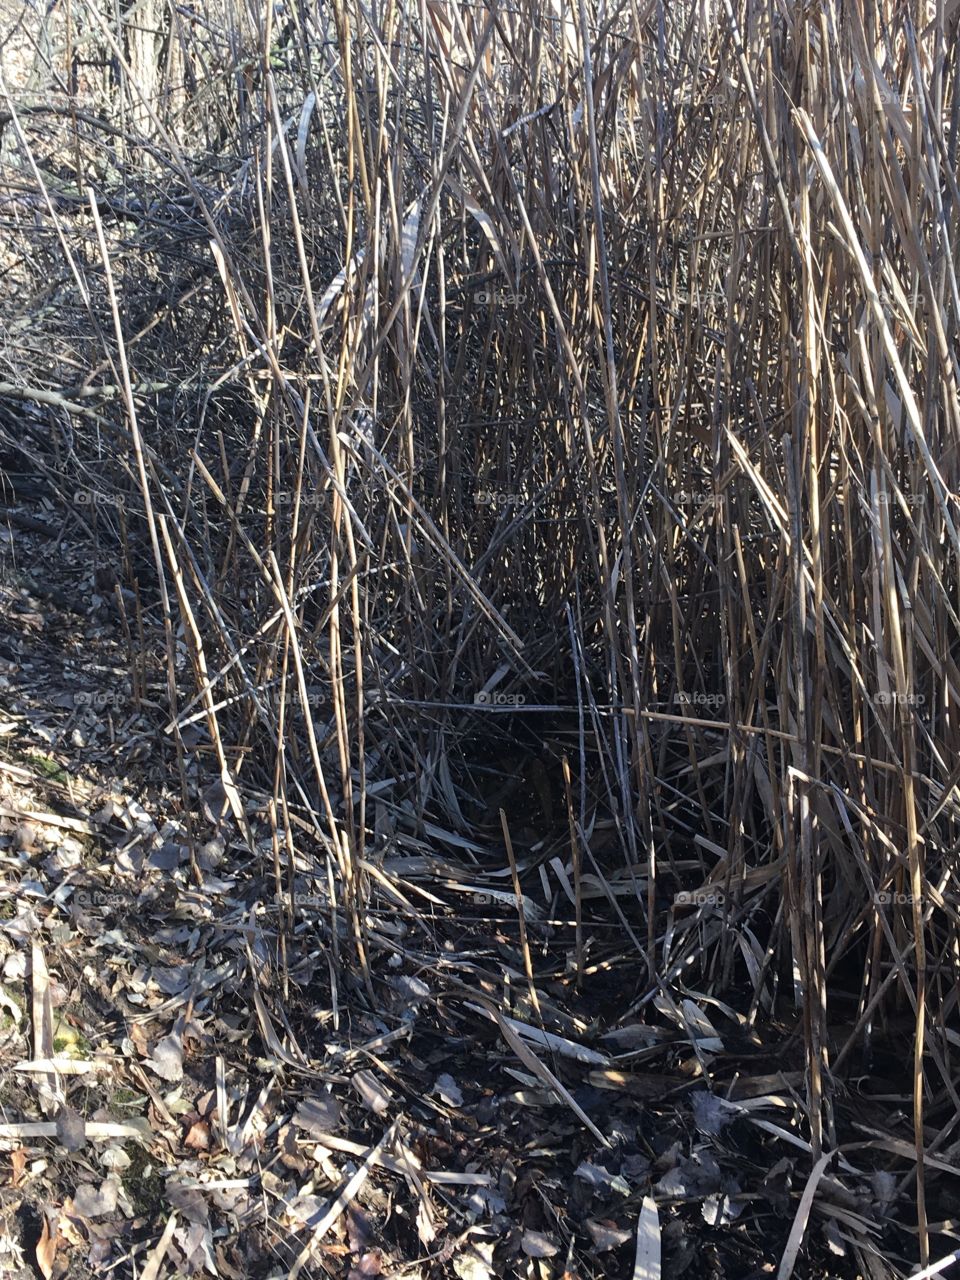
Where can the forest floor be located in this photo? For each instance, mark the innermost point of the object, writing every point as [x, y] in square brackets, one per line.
[189, 1084]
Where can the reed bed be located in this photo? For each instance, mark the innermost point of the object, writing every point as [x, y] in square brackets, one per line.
[555, 382]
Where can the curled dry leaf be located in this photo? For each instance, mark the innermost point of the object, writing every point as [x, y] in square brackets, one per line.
[197, 1137]
[607, 1235]
[372, 1093]
[47, 1248]
[596, 1176]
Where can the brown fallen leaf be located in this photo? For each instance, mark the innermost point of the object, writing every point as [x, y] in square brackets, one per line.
[197, 1137]
[138, 1037]
[360, 1229]
[68, 1228]
[47, 1248]
[101, 1247]
[225, 1266]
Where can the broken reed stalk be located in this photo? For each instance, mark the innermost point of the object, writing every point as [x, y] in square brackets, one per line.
[577, 870]
[491, 322]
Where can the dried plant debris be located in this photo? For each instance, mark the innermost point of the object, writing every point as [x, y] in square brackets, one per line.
[479, 649]
[217, 1106]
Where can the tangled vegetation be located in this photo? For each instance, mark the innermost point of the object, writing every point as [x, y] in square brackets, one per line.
[530, 432]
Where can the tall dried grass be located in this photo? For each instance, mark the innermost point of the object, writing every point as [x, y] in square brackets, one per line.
[604, 358]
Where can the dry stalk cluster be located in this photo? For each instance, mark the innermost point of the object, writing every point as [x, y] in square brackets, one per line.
[478, 384]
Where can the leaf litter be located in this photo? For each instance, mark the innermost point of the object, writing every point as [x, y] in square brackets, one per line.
[184, 1094]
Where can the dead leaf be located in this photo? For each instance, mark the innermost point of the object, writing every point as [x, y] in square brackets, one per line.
[720, 1211]
[709, 1113]
[412, 989]
[425, 1228]
[91, 1202]
[215, 802]
[138, 1038]
[372, 1093]
[101, 1247]
[596, 1176]
[448, 1090]
[68, 1230]
[306, 1210]
[167, 1058]
[71, 1130]
[196, 1244]
[318, 1115]
[607, 1235]
[536, 1245]
[168, 857]
[197, 1137]
[646, 1264]
[476, 1261]
[47, 1248]
[188, 1201]
[225, 1267]
[696, 1175]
